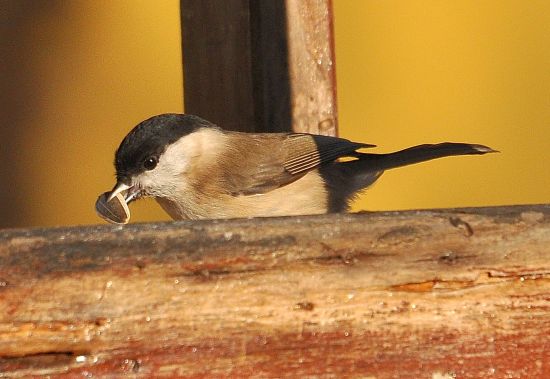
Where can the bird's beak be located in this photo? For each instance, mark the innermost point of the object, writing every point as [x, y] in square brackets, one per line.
[119, 188]
[129, 192]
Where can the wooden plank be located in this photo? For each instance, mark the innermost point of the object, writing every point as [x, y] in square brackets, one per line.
[263, 66]
[417, 294]
[312, 66]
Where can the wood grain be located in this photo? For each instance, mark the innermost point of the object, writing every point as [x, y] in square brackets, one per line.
[263, 66]
[312, 66]
[420, 294]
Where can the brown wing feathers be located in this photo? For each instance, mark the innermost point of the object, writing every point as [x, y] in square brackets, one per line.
[276, 160]
[305, 151]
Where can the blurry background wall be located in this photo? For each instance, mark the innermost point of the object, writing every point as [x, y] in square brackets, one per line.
[75, 76]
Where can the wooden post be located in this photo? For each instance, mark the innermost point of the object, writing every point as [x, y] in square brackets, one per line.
[419, 294]
[263, 66]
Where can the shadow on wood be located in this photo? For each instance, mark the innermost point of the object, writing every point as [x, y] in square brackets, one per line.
[414, 294]
[260, 66]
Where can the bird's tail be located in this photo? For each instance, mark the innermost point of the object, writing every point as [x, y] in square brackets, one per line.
[416, 154]
[346, 179]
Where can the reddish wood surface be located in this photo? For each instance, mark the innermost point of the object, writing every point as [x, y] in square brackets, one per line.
[418, 294]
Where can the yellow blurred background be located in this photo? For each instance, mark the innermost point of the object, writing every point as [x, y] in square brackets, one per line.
[77, 75]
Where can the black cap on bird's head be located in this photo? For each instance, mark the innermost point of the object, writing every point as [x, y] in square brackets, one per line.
[149, 139]
[140, 150]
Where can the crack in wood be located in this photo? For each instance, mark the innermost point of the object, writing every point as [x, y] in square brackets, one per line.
[211, 274]
[304, 306]
[403, 234]
[448, 258]
[77, 333]
[40, 354]
[457, 222]
[483, 279]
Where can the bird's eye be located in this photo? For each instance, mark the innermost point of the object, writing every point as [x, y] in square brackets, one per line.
[150, 163]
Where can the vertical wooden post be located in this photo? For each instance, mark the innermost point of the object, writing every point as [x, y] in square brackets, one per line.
[311, 66]
[260, 65]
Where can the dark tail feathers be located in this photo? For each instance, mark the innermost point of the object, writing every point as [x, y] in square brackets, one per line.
[417, 154]
[345, 179]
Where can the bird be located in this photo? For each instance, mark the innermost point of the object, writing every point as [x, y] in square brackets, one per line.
[197, 170]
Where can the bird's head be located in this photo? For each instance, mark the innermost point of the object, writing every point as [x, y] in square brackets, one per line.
[152, 160]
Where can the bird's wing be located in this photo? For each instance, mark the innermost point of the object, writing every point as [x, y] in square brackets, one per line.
[269, 161]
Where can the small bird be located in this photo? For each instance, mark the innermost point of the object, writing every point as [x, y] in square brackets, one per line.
[196, 170]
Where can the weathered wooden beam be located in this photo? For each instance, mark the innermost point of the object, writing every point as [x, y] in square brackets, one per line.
[262, 65]
[455, 293]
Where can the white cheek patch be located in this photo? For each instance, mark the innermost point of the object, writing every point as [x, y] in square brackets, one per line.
[166, 177]
[175, 160]
[169, 177]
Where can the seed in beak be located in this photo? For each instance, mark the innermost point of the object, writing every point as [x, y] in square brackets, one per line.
[114, 210]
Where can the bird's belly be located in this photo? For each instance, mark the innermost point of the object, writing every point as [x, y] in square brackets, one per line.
[305, 196]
